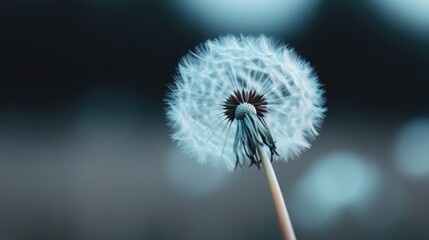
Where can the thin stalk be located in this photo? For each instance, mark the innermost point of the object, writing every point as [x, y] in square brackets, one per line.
[279, 203]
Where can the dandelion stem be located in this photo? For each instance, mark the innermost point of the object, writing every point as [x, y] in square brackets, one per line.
[279, 203]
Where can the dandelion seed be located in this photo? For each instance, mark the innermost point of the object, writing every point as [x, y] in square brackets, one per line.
[251, 86]
[226, 78]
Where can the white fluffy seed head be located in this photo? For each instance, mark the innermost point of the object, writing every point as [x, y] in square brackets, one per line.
[244, 108]
[210, 74]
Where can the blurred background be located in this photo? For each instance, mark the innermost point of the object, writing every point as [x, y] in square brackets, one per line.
[85, 151]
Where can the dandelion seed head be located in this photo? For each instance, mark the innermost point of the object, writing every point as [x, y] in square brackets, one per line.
[253, 87]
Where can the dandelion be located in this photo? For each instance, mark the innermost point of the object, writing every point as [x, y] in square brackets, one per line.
[255, 88]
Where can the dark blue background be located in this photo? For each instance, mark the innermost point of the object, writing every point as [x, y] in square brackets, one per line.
[84, 146]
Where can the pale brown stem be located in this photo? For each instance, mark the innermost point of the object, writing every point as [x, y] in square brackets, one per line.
[279, 203]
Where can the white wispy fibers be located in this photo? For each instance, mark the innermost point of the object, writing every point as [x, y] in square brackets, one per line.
[335, 182]
[259, 90]
[213, 85]
[412, 149]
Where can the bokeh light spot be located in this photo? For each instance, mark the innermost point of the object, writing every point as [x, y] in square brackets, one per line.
[252, 15]
[408, 14]
[412, 149]
[335, 182]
